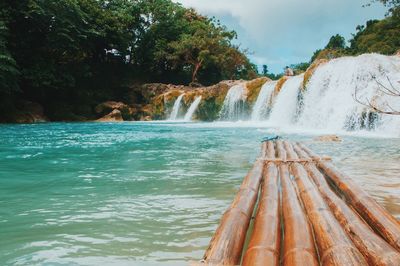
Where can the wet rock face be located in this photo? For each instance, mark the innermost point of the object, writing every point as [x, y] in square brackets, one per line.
[151, 90]
[154, 101]
[114, 116]
[109, 106]
[253, 88]
[209, 107]
[310, 71]
[212, 98]
[279, 85]
[29, 112]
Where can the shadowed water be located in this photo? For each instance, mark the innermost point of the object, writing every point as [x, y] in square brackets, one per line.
[143, 193]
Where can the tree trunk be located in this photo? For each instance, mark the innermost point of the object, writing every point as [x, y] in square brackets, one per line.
[197, 66]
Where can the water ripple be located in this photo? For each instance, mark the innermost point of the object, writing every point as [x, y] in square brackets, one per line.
[142, 193]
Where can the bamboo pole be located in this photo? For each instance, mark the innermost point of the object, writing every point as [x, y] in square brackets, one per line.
[264, 148]
[227, 243]
[298, 245]
[270, 150]
[375, 250]
[264, 243]
[334, 247]
[375, 215]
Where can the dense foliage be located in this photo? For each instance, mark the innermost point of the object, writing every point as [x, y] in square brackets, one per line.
[76, 51]
[377, 36]
[266, 73]
[8, 69]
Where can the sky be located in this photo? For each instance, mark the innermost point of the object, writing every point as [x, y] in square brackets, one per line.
[283, 32]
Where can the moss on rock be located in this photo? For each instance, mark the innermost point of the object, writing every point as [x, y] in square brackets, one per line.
[310, 71]
[212, 99]
[253, 88]
[163, 103]
[279, 85]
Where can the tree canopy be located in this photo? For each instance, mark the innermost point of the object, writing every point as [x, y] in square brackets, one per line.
[376, 36]
[336, 42]
[8, 68]
[80, 49]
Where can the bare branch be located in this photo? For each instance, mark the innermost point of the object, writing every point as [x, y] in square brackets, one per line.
[375, 108]
[391, 108]
[391, 85]
[389, 91]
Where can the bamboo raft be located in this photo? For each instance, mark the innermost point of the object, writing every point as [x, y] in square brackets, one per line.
[307, 213]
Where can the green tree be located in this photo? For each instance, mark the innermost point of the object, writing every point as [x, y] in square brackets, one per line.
[265, 70]
[300, 67]
[234, 64]
[9, 73]
[378, 36]
[206, 44]
[336, 42]
[79, 52]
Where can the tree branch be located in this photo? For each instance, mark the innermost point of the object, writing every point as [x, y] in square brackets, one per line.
[375, 108]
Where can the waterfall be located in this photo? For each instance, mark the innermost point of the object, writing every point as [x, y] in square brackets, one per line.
[234, 103]
[192, 109]
[329, 100]
[260, 108]
[176, 107]
[285, 104]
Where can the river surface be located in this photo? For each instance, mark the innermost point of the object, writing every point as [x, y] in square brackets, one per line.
[145, 193]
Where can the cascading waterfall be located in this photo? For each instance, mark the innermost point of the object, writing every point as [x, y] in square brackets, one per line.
[234, 104]
[261, 107]
[329, 101]
[193, 107]
[285, 104]
[176, 107]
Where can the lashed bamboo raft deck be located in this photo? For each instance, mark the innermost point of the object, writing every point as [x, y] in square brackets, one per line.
[308, 213]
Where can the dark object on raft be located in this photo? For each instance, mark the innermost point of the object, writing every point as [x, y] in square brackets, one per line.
[308, 213]
[270, 138]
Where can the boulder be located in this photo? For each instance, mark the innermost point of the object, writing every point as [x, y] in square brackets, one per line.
[195, 85]
[29, 112]
[328, 138]
[114, 116]
[146, 118]
[109, 106]
[151, 90]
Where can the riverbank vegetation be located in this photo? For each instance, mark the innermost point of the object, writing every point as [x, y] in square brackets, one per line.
[62, 58]
[70, 54]
[376, 36]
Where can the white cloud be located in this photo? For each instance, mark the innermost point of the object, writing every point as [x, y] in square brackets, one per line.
[287, 30]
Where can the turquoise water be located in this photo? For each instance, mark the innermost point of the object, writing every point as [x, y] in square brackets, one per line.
[143, 193]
